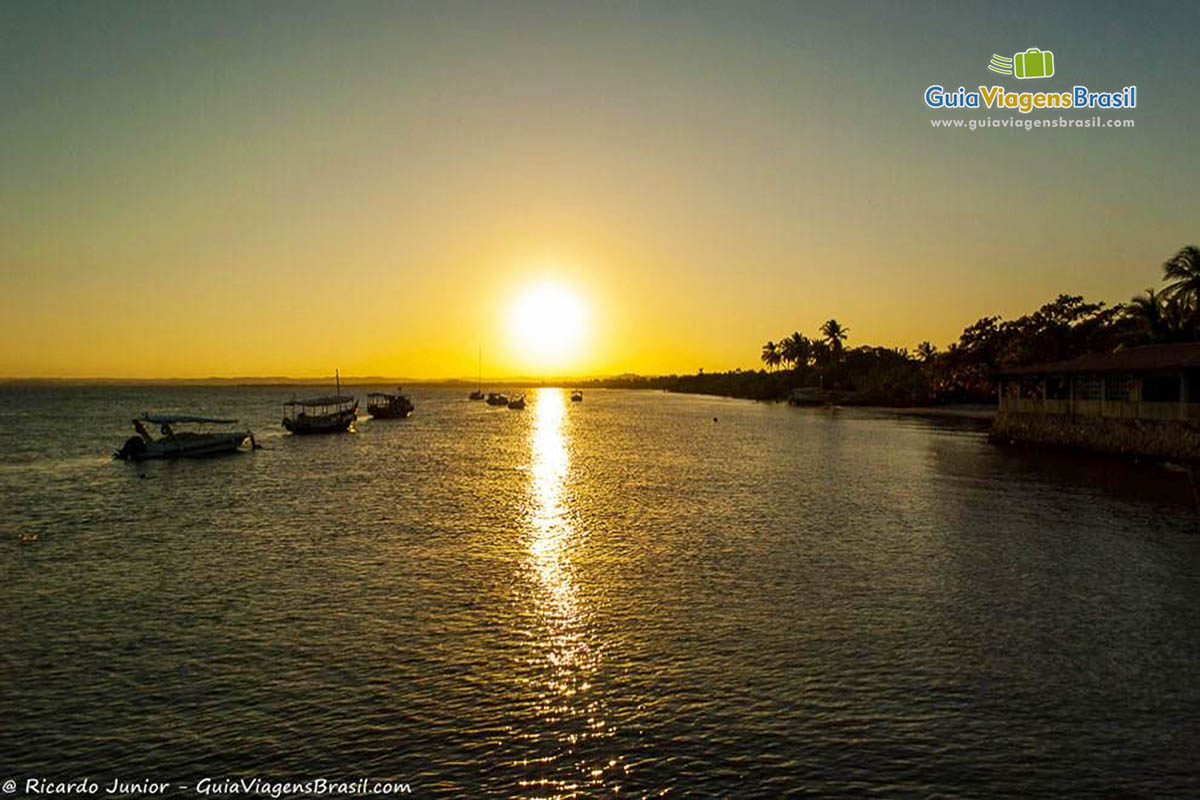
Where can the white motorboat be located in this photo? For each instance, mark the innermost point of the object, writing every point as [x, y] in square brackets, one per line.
[187, 443]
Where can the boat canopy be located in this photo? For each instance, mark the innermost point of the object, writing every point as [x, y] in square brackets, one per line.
[174, 419]
[330, 400]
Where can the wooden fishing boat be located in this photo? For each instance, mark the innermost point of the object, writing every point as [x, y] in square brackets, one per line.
[186, 443]
[517, 402]
[382, 405]
[577, 396]
[333, 413]
[497, 399]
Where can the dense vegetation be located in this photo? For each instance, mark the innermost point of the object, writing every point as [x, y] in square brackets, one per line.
[824, 366]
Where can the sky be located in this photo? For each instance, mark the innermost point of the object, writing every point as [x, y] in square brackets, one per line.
[238, 189]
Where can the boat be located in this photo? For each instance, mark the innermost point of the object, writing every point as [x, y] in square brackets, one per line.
[329, 414]
[577, 396]
[517, 402]
[382, 405]
[478, 393]
[497, 399]
[186, 443]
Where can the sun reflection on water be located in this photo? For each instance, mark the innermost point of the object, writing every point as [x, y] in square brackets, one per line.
[570, 718]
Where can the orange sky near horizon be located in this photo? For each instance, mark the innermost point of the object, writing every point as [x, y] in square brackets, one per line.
[282, 190]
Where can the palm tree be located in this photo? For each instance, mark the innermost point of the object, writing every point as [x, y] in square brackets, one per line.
[1147, 311]
[797, 350]
[771, 355]
[834, 335]
[1179, 321]
[1183, 270]
[822, 355]
[926, 351]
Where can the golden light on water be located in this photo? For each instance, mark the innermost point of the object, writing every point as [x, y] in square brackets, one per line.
[548, 324]
[554, 537]
[566, 650]
[552, 527]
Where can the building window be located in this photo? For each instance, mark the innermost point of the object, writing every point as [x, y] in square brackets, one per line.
[1087, 387]
[1160, 389]
[1117, 387]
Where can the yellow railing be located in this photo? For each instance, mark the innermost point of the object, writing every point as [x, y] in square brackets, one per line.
[1120, 409]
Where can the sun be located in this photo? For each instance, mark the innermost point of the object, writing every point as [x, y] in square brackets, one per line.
[548, 323]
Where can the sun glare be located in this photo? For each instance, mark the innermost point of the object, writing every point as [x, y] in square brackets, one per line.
[548, 323]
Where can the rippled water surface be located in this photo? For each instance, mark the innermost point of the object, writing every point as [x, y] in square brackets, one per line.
[642, 594]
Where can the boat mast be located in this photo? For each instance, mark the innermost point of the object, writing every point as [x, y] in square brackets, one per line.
[479, 386]
[338, 380]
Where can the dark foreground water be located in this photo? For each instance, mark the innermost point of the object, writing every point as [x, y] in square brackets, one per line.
[619, 597]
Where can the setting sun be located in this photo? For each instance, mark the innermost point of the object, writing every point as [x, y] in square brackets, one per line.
[548, 322]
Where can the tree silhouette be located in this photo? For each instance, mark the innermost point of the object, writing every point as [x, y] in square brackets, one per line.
[1158, 317]
[1146, 312]
[797, 350]
[834, 335]
[1182, 271]
[771, 355]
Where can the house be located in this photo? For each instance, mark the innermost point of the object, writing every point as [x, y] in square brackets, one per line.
[1142, 401]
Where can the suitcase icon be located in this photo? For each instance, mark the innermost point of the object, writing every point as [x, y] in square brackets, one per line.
[1034, 63]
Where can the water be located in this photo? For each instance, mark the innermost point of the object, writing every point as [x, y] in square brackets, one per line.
[619, 597]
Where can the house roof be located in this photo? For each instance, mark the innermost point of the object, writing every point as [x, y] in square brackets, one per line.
[1148, 358]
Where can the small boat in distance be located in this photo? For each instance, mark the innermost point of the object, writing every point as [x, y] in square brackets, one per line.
[382, 405]
[497, 399]
[180, 444]
[329, 414]
[517, 402]
[478, 393]
[576, 395]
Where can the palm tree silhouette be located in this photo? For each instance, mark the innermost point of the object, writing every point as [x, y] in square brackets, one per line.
[834, 335]
[1183, 272]
[1147, 312]
[797, 350]
[926, 351]
[771, 355]
[1160, 317]
[822, 354]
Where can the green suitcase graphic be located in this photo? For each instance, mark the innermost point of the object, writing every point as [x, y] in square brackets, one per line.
[1034, 63]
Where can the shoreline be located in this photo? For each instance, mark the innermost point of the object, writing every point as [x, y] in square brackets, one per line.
[978, 411]
[964, 411]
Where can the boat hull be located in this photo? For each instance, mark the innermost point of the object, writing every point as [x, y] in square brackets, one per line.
[325, 423]
[183, 446]
[388, 413]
